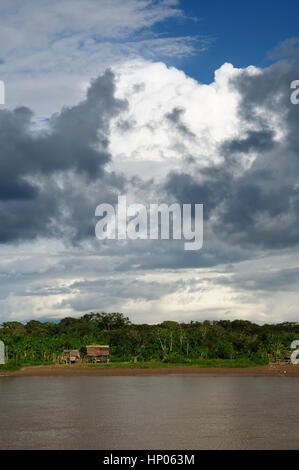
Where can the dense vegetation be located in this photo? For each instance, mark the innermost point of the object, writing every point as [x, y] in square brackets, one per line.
[42, 342]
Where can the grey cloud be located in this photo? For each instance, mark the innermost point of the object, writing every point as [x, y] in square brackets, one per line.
[77, 138]
[136, 289]
[287, 49]
[282, 279]
[255, 141]
[125, 125]
[175, 117]
[138, 87]
[255, 206]
[51, 182]
[103, 293]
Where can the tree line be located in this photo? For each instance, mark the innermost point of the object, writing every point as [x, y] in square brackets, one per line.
[168, 341]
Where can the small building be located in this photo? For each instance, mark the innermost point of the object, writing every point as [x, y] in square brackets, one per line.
[71, 356]
[99, 353]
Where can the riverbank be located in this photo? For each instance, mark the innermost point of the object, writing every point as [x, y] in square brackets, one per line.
[279, 370]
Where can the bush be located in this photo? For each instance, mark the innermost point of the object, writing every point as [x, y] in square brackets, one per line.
[224, 350]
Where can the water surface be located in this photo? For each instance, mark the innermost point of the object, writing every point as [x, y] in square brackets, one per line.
[155, 412]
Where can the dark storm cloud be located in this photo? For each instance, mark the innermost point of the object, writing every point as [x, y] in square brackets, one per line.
[190, 190]
[50, 181]
[257, 206]
[19, 189]
[255, 141]
[63, 208]
[77, 138]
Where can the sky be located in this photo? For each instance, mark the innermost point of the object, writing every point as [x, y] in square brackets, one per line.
[165, 102]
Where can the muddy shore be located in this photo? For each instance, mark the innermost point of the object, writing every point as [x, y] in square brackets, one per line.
[287, 370]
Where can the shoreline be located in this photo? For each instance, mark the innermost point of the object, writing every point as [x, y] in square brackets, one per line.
[272, 370]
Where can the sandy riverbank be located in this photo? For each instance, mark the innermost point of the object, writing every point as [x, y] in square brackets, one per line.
[287, 370]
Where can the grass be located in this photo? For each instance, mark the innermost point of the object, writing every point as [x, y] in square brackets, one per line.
[9, 367]
[204, 363]
[12, 366]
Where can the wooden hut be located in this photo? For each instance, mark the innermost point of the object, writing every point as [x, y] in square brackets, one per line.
[71, 356]
[99, 353]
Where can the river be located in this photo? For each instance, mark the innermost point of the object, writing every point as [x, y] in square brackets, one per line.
[155, 412]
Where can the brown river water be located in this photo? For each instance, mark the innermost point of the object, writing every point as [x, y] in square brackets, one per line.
[155, 412]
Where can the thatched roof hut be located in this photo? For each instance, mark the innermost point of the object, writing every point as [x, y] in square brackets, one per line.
[97, 351]
[71, 355]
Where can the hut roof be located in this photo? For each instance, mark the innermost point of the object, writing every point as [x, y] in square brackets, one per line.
[72, 352]
[97, 350]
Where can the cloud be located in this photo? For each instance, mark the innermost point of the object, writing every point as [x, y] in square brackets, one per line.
[169, 103]
[251, 196]
[255, 141]
[175, 117]
[51, 49]
[103, 18]
[48, 178]
[155, 134]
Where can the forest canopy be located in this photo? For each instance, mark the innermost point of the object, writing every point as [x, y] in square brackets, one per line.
[169, 341]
